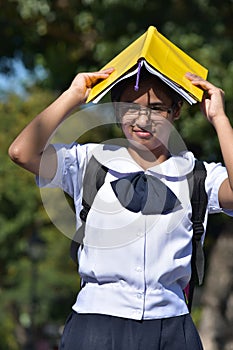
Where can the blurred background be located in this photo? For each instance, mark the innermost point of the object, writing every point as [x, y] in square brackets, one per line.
[44, 43]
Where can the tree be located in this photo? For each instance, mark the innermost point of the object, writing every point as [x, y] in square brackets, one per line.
[21, 213]
[86, 34]
[217, 321]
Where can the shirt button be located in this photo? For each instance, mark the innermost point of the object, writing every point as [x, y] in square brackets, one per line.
[138, 269]
[139, 295]
[140, 234]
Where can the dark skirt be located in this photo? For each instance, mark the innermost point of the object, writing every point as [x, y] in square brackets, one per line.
[103, 332]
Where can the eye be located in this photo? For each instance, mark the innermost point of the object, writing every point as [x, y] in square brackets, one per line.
[158, 108]
[133, 110]
[130, 108]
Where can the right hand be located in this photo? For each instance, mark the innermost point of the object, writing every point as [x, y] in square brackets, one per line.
[84, 82]
[27, 149]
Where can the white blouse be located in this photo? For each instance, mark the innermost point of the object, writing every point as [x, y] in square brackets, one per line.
[133, 265]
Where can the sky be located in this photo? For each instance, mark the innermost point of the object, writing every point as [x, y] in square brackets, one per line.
[19, 79]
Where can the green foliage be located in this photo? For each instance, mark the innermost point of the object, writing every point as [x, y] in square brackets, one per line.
[72, 36]
[20, 210]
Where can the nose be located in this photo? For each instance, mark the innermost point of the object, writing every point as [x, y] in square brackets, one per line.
[143, 118]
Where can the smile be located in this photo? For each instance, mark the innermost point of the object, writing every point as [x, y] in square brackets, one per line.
[142, 133]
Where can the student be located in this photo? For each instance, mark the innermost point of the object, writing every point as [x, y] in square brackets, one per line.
[132, 283]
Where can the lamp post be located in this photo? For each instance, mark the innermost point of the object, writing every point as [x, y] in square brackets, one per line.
[35, 252]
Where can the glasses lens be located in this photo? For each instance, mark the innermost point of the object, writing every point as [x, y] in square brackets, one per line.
[132, 110]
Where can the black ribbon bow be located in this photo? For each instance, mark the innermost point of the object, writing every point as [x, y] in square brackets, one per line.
[141, 192]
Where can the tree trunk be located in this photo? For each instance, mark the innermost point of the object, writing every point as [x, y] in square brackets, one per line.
[216, 326]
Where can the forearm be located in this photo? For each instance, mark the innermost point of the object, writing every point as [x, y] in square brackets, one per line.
[28, 147]
[225, 135]
[213, 108]
[40, 130]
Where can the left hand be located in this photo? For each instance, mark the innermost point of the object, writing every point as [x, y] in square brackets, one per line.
[212, 104]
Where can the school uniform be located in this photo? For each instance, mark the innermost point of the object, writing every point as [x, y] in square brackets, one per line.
[134, 263]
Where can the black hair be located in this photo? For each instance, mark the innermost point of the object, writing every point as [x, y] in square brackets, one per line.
[119, 88]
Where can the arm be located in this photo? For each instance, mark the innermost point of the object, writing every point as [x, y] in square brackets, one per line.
[213, 108]
[31, 144]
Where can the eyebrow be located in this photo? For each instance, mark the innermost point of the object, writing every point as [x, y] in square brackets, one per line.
[159, 104]
[151, 105]
[156, 104]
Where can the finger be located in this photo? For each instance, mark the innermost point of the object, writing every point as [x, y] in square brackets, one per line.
[202, 83]
[107, 70]
[103, 74]
[196, 79]
[192, 76]
[95, 77]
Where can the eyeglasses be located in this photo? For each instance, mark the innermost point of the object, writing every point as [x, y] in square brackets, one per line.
[131, 111]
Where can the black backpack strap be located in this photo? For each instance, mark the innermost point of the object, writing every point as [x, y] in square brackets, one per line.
[93, 179]
[199, 201]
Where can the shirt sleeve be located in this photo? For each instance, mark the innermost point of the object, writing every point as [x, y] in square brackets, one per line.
[71, 163]
[216, 174]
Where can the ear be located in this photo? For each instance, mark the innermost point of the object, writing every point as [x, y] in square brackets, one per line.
[177, 110]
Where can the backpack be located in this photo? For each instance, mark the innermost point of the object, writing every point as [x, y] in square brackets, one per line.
[94, 178]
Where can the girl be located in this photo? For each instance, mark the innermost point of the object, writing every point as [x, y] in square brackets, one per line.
[134, 261]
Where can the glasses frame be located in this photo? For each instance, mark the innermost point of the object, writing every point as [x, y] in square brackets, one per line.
[137, 110]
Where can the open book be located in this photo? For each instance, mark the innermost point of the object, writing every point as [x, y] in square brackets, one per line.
[161, 58]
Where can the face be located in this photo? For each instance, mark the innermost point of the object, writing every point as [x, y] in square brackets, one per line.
[147, 115]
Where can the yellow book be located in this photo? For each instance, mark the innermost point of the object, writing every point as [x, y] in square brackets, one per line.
[161, 58]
